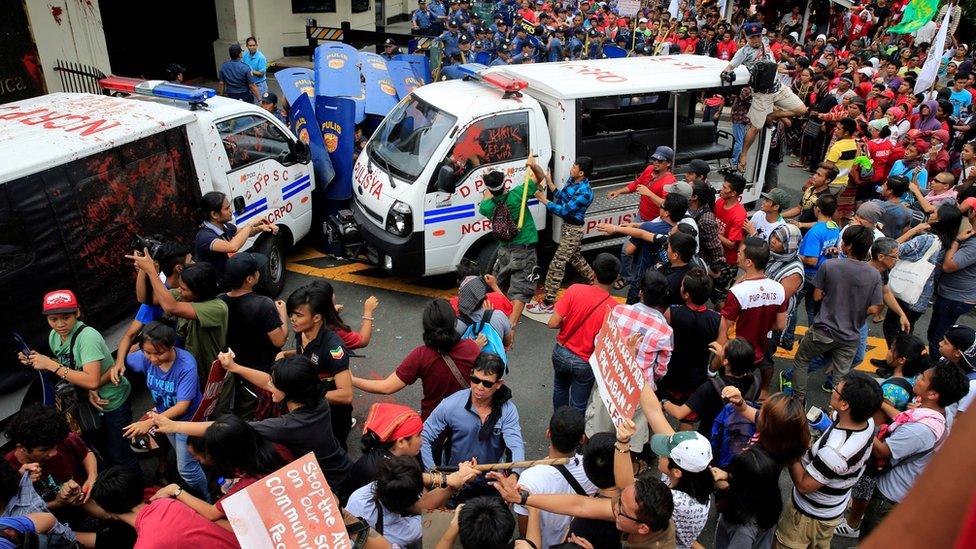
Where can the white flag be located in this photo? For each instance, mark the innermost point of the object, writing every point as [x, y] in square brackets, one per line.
[930, 70]
[673, 9]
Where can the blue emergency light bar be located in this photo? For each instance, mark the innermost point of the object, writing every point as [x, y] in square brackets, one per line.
[157, 88]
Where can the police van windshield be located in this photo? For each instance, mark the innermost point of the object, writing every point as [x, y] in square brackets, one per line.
[408, 137]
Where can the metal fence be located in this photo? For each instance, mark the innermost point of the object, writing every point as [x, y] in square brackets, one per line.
[79, 78]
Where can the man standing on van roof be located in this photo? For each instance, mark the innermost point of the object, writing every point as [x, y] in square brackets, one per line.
[236, 78]
[516, 260]
[569, 203]
[770, 100]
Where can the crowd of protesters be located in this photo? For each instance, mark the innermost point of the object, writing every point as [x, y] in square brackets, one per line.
[883, 233]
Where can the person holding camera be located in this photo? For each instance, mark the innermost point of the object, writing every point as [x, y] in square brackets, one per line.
[770, 100]
[217, 237]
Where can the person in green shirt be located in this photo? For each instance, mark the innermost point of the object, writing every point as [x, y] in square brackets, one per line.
[201, 316]
[516, 260]
[82, 359]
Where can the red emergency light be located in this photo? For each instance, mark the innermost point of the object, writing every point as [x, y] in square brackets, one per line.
[504, 82]
[120, 84]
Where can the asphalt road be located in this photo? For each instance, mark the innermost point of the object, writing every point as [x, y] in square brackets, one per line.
[398, 330]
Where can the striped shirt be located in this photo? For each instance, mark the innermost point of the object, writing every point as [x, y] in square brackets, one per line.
[835, 460]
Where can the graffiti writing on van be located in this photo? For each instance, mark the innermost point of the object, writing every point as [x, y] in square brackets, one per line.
[54, 120]
[615, 219]
[477, 186]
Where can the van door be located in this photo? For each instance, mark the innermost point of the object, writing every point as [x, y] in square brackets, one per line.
[497, 142]
[265, 177]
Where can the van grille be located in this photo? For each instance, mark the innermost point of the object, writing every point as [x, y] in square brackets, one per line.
[377, 217]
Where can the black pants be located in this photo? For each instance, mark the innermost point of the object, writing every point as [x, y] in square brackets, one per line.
[341, 422]
[892, 326]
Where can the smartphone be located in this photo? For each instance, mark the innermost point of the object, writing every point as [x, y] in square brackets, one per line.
[21, 343]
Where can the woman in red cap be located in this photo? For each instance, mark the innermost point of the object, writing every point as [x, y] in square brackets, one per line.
[390, 430]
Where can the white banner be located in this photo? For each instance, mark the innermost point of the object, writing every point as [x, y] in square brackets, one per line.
[930, 70]
[628, 8]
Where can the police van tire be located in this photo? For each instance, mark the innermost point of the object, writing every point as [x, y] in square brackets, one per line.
[486, 257]
[273, 274]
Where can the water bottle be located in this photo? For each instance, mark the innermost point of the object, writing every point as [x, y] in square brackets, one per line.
[818, 419]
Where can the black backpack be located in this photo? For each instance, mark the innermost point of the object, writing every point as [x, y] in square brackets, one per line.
[502, 224]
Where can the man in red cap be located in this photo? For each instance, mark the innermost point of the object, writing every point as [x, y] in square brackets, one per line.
[82, 359]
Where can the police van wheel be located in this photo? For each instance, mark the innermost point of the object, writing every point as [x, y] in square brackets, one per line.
[273, 273]
[486, 257]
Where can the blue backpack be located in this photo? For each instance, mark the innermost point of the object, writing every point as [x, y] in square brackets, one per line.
[484, 327]
[732, 432]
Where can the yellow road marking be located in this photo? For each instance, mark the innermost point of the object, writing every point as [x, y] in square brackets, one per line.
[349, 273]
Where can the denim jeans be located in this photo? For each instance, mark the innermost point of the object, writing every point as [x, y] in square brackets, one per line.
[945, 313]
[190, 470]
[115, 446]
[572, 379]
[739, 137]
[788, 336]
[862, 347]
[262, 88]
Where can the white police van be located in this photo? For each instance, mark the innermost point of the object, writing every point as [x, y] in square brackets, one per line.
[81, 175]
[419, 179]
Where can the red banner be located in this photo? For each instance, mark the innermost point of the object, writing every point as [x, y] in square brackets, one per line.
[292, 507]
[215, 382]
[617, 376]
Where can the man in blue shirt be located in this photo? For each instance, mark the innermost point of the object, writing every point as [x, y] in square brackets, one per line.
[570, 204]
[960, 97]
[483, 422]
[258, 63]
[421, 21]
[438, 10]
[503, 53]
[817, 246]
[235, 78]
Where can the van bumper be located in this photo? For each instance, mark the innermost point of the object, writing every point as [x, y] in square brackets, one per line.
[407, 254]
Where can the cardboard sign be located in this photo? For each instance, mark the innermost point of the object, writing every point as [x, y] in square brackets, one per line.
[628, 8]
[435, 522]
[292, 507]
[619, 379]
[215, 382]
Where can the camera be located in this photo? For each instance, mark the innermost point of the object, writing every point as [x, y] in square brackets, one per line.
[728, 76]
[151, 243]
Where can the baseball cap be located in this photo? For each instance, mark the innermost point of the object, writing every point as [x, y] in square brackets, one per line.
[234, 50]
[663, 153]
[752, 29]
[269, 97]
[242, 265]
[963, 338]
[698, 166]
[465, 39]
[679, 187]
[59, 302]
[778, 197]
[389, 42]
[870, 212]
[689, 449]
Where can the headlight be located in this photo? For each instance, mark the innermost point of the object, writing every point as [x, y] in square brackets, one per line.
[400, 219]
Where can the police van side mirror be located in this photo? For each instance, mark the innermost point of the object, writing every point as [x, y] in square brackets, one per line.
[301, 152]
[446, 182]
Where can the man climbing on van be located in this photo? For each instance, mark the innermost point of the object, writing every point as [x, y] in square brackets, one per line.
[515, 264]
[770, 100]
[569, 203]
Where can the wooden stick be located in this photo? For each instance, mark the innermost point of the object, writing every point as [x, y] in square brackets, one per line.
[485, 467]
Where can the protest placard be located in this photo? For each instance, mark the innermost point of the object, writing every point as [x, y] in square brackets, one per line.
[215, 382]
[618, 378]
[628, 8]
[292, 507]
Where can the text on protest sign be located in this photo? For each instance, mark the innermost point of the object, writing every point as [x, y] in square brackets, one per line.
[292, 508]
[618, 378]
[215, 382]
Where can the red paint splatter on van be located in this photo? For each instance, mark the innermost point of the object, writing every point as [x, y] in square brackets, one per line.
[57, 12]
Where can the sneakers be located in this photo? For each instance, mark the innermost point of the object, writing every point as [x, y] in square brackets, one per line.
[540, 308]
[828, 384]
[786, 345]
[845, 530]
[786, 381]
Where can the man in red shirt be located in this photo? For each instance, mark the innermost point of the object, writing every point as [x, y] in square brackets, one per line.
[62, 468]
[756, 305]
[162, 523]
[655, 176]
[731, 216]
[579, 316]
